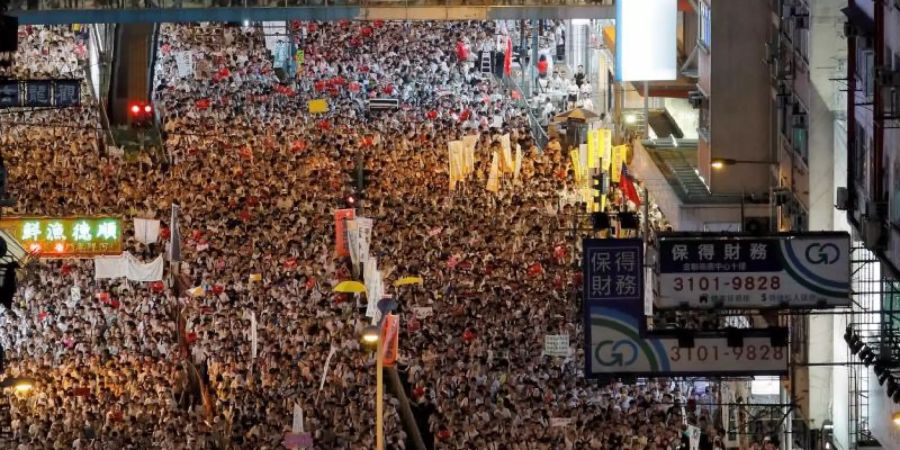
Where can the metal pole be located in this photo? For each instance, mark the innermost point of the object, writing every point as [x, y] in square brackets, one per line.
[646, 109]
[646, 214]
[379, 396]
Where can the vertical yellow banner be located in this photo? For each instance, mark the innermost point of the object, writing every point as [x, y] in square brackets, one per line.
[619, 153]
[605, 142]
[593, 149]
[576, 166]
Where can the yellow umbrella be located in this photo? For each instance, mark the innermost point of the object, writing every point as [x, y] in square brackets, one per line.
[408, 280]
[354, 287]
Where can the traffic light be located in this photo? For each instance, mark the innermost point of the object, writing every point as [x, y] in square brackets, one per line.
[597, 189]
[140, 114]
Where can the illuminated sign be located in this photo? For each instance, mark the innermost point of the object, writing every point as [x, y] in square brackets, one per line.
[616, 345]
[794, 271]
[66, 237]
[645, 40]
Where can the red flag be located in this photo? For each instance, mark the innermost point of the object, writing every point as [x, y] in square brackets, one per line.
[507, 59]
[627, 186]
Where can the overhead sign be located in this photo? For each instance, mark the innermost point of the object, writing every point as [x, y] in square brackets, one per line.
[615, 345]
[40, 93]
[646, 39]
[66, 237]
[613, 270]
[785, 271]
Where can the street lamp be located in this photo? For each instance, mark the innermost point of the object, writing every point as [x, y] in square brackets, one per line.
[720, 163]
[370, 335]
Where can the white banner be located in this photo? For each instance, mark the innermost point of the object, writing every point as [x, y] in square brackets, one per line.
[146, 230]
[353, 240]
[327, 363]
[372, 278]
[127, 266]
[254, 337]
[693, 434]
[185, 62]
[297, 426]
[561, 421]
[364, 229]
[556, 345]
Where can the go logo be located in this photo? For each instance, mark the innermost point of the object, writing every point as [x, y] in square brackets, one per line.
[619, 353]
[822, 253]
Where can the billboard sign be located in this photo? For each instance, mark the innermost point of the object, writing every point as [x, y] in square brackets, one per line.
[646, 39]
[615, 345]
[613, 270]
[66, 237]
[809, 270]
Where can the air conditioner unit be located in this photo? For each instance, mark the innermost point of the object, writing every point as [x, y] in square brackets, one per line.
[872, 232]
[756, 225]
[801, 21]
[842, 200]
[799, 121]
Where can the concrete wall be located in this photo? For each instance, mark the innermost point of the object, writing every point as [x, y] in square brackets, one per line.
[740, 91]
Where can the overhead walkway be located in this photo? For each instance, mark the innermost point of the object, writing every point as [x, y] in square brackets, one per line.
[33, 12]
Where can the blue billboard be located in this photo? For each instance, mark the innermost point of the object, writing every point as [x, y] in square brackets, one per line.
[809, 270]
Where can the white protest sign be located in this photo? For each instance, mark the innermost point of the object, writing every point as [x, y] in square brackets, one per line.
[556, 345]
[561, 421]
[423, 312]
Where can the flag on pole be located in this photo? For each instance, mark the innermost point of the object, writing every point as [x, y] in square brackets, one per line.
[507, 59]
[627, 186]
[175, 241]
[254, 337]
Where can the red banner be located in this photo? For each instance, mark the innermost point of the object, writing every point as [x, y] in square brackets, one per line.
[340, 230]
[390, 336]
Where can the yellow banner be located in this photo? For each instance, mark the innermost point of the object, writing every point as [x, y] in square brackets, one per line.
[619, 154]
[593, 145]
[317, 106]
[576, 166]
[493, 182]
[605, 142]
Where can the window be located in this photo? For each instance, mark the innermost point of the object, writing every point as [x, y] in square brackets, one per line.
[705, 24]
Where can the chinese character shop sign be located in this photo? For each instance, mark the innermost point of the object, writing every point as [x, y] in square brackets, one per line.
[803, 270]
[67, 237]
[613, 270]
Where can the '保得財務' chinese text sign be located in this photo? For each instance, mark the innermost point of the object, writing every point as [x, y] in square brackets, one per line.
[613, 270]
[785, 271]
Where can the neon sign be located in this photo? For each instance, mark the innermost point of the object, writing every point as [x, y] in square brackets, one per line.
[66, 237]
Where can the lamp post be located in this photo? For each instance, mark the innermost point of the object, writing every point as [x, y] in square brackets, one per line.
[720, 163]
[372, 335]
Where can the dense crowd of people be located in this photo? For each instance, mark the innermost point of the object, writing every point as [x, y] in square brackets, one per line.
[257, 179]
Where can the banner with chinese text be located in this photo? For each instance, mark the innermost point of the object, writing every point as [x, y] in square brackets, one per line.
[806, 270]
[66, 237]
